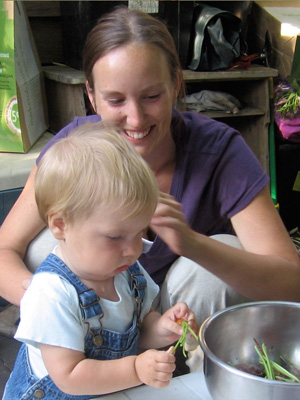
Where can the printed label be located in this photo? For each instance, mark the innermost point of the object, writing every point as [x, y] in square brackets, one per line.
[12, 116]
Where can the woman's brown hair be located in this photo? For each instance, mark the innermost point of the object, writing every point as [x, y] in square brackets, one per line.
[123, 26]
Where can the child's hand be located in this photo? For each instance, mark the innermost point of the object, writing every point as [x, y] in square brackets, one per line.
[168, 326]
[155, 368]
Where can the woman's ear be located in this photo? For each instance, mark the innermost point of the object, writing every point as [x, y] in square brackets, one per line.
[57, 225]
[90, 93]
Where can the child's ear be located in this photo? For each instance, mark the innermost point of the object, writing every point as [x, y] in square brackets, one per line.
[57, 225]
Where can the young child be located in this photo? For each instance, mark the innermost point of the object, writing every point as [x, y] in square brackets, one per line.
[88, 307]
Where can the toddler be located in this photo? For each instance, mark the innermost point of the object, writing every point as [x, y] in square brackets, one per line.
[87, 318]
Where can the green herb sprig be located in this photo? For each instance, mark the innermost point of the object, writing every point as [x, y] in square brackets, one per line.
[271, 367]
[181, 341]
[291, 103]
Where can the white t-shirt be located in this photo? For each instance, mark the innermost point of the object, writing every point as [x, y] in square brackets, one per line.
[50, 314]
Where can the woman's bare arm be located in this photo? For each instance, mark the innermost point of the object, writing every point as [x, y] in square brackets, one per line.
[268, 269]
[21, 225]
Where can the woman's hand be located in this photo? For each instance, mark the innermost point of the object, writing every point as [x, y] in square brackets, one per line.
[170, 225]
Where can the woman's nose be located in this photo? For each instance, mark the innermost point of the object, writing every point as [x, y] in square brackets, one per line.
[135, 114]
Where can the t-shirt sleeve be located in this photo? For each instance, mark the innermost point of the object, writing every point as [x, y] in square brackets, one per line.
[218, 174]
[238, 177]
[50, 314]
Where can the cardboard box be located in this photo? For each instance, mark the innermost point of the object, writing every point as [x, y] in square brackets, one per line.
[23, 110]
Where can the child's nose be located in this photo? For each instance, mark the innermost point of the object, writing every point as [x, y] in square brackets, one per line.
[133, 248]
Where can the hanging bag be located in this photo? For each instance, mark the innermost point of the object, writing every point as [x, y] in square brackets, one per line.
[215, 39]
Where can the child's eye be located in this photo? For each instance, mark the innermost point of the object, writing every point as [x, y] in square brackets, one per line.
[114, 238]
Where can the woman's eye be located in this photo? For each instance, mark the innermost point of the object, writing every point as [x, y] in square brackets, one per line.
[115, 102]
[153, 97]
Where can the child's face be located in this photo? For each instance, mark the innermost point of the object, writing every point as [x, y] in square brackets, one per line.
[104, 244]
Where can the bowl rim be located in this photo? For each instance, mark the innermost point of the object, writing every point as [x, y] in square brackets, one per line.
[209, 354]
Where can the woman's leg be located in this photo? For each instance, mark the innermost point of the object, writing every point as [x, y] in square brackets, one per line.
[203, 292]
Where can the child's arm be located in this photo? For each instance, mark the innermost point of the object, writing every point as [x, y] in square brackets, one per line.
[158, 331]
[77, 375]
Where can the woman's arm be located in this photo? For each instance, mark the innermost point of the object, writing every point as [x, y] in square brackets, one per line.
[77, 375]
[269, 269]
[21, 225]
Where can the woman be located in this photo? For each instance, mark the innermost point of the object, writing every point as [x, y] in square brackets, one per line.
[133, 79]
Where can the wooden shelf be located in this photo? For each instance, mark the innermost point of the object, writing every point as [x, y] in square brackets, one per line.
[65, 89]
[251, 87]
[245, 112]
[253, 72]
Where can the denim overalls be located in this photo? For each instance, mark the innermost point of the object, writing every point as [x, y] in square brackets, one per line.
[100, 343]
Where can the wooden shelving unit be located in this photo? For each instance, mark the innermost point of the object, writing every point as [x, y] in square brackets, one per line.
[251, 87]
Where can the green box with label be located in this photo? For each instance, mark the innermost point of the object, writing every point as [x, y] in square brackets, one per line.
[23, 109]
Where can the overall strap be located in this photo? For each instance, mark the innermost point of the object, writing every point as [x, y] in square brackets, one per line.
[138, 284]
[88, 299]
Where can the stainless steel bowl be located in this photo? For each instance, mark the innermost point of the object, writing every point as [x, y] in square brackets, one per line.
[227, 336]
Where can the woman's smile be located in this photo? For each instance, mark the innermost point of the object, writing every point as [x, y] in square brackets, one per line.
[137, 135]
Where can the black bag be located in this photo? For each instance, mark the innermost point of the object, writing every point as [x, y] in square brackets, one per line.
[215, 39]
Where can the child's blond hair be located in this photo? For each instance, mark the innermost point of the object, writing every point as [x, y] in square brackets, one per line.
[94, 165]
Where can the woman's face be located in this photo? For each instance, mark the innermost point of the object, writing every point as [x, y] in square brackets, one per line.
[133, 88]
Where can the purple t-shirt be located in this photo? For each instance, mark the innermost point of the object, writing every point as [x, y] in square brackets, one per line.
[216, 176]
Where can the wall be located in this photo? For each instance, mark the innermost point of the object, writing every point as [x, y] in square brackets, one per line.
[283, 47]
[59, 27]
[45, 21]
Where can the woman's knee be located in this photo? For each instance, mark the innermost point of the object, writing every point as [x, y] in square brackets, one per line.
[204, 292]
[231, 240]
